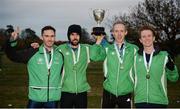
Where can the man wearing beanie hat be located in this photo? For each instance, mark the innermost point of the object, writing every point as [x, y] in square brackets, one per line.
[74, 28]
[76, 59]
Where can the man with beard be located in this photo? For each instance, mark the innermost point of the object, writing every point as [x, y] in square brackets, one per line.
[76, 59]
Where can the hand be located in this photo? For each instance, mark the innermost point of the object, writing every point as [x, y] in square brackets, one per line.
[15, 34]
[35, 45]
[99, 39]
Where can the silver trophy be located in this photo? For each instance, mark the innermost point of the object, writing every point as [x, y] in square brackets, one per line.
[98, 17]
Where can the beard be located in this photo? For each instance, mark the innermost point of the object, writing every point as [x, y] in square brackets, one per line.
[75, 42]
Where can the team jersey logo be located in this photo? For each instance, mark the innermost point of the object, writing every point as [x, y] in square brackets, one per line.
[40, 61]
[67, 53]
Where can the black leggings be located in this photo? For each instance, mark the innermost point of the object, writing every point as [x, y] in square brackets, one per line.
[110, 100]
[149, 105]
[73, 100]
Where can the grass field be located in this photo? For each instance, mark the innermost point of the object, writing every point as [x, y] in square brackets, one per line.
[13, 85]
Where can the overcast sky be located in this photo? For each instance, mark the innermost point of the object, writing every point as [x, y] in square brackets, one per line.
[59, 13]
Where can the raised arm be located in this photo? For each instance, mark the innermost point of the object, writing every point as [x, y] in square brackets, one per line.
[97, 51]
[21, 56]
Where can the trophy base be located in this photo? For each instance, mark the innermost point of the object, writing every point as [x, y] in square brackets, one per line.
[97, 31]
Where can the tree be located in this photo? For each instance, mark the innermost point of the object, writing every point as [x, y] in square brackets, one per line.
[163, 15]
[86, 38]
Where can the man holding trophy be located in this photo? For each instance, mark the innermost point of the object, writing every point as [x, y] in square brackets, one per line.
[118, 61]
[98, 31]
[76, 59]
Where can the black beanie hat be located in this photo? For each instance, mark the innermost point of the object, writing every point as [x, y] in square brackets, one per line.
[74, 28]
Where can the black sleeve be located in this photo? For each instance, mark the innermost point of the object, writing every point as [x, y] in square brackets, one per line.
[20, 56]
[170, 63]
[26, 43]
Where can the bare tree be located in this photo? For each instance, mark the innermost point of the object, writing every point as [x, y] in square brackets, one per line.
[86, 37]
[163, 15]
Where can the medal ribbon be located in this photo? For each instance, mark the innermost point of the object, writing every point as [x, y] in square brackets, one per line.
[148, 65]
[118, 53]
[48, 64]
[78, 55]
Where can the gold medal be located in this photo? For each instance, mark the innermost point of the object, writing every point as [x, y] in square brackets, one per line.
[147, 76]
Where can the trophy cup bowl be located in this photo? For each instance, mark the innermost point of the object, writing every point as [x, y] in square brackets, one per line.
[98, 17]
